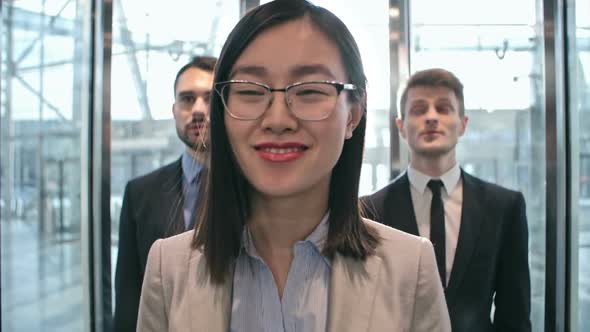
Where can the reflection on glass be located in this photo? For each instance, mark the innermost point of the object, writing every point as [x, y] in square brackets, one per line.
[579, 65]
[497, 54]
[151, 41]
[44, 89]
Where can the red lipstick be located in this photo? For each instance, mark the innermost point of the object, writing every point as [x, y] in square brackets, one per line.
[280, 152]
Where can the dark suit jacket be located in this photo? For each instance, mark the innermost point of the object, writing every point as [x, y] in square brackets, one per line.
[152, 209]
[491, 258]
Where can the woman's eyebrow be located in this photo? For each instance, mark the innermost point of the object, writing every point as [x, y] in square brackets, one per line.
[303, 70]
[295, 72]
[249, 70]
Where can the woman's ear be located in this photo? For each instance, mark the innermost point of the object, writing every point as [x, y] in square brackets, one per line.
[354, 117]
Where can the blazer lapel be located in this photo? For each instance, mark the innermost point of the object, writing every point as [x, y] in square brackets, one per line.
[399, 207]
[210, 302]
[471, 219]
[353, 287]
[172, 204]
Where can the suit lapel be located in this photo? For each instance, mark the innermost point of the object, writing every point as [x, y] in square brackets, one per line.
[399, 207]
[209, 302]
[471, 219]
[353, 287]
[172, 203]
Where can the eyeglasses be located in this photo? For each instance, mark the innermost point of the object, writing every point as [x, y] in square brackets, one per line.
[310, 101]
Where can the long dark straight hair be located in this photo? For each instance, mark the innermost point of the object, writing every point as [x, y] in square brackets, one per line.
[225, 206]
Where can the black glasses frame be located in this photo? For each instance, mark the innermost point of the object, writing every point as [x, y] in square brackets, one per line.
[218, 87]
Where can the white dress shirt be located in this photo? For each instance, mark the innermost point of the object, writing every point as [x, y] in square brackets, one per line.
[452, 197]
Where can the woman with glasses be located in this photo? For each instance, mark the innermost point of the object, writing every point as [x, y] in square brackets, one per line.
[280, 244]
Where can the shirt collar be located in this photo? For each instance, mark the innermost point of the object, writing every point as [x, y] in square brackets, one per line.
[317, 238]
[190, 167]
[450, 179]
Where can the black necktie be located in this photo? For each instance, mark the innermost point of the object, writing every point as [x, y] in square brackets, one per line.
[194, 188]
[437, 228]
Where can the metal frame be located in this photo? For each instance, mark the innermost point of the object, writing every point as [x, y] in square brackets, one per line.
[96, 170]
[399, 69]
[556, 306]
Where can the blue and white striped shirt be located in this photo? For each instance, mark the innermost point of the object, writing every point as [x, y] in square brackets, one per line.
[256, 305]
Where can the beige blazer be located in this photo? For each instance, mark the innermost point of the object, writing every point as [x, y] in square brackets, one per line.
[397, 289]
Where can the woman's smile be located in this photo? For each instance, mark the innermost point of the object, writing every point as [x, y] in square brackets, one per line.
[280, 152]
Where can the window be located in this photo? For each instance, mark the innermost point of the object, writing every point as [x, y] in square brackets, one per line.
[497, 54]
[578, 27]
[145, 61]
[44, 99]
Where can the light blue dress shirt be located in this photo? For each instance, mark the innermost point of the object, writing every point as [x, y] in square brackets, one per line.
[304, 307]
[190, 186]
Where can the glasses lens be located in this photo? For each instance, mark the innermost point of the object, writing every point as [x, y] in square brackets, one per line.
[312, 101]
[245, 100]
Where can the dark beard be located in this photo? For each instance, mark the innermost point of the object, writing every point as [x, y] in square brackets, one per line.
[200, 145]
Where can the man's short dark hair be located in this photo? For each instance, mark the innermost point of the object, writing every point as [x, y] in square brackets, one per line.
[203, 62]
[435, 77]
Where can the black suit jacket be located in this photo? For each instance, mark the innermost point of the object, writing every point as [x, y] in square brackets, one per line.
[152, 209]
[491, 259]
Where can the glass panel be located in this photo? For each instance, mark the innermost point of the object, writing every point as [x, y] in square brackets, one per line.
[145, 60]
[579, 67]
[498, 55]
[371, 32]
[44, 94]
